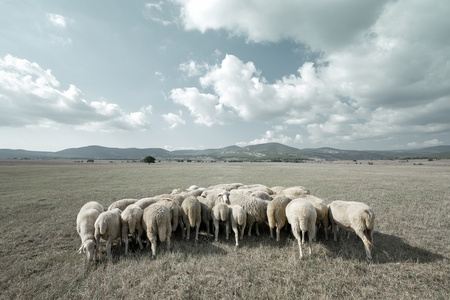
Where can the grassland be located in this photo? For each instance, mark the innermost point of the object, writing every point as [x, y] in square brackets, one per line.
[38, 241]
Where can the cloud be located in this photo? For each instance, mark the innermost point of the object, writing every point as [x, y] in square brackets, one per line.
[174, 120]
[158, 11]
[31, 96]
[383, 69]
[57, 20]
[429, 143]
[319, 24]
[192, 68]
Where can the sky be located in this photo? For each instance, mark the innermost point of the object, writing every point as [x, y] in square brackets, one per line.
[191, 74]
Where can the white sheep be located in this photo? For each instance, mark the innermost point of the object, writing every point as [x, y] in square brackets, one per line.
[295, 192]
[86, 217]
[132, 224]
[122, 204]
[261, 195]
[302, 215]
[322, 212]
[192, 215]
[145, 202]
[276, 214]
[220, 213]
[353, 216]
[207, 205]
[175, 211]
[277, 189]
[156, 221]
[238, 220]
[225, 186]
[255, 208]
[108, 227]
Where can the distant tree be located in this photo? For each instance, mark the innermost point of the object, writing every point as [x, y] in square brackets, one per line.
[149, 159]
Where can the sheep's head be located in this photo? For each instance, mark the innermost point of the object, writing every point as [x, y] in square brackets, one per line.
[88, 247]
[224, 197]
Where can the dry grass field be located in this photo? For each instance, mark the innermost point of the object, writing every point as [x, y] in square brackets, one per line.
[38, 242]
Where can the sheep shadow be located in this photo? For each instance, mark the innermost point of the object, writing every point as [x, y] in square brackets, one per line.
[387, 249]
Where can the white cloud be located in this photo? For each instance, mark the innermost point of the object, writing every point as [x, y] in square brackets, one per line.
[319, 24]
[57, 20]
[270, 136]
[174, 120]
[157, 12]
[31, 96]
[192, 68]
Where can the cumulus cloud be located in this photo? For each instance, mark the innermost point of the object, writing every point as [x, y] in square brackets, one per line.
[31, 96]
[383, 69]
[158, 12]
[174, 120]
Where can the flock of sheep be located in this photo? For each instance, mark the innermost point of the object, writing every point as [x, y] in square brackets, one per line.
[234, 205]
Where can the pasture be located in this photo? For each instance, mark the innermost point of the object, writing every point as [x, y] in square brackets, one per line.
[38, 242]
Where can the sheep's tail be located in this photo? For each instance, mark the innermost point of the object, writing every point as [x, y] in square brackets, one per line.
[192, 217]
[223, 214]
[303, 224]
[162, 232]
[103, 226]
[369, 219]
[132, 226]
[241, 219]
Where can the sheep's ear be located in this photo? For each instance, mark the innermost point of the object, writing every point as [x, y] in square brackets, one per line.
[220, 195]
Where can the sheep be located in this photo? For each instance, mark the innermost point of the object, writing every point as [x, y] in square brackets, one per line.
[295, 192]
[302, 215]
[256, 187]
[277, 189]
[276, 214]
[255, 208]
[261, 194]
[175, 211]
[225, 186]
[145, 202]
[207, 205]
[179, 198]
[131, 223]
[353, 216]
[238, 220]
[322, 212]
[86, 217]
[156, 221]
[108, 227]
[220, 212]
[122, 204]
[192, 215]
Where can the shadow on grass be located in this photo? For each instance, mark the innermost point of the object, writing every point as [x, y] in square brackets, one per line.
[387, 249]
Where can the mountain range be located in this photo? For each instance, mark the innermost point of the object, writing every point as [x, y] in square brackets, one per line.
[261, 152]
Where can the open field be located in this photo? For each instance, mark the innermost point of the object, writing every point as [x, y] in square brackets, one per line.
[39, 243]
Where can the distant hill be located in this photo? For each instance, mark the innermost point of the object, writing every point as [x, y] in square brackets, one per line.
[261, 152]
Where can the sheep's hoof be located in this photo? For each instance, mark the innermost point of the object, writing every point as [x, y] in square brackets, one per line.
[153, 257]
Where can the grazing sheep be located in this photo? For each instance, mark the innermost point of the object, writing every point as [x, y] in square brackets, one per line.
[219, 214]
[295, 192]
[146, 202]
[302, 215]
[108, 227]
[225, 186]
[192, 215]
[85, 227]
[131, 224]
[353, 216]
[261, 195]
[276, 214]
[256, 187]
[122, 204]
[255, 208]
[238, 220]
[156, 221]
[277, 189]
[207, 205]
[322, 212]
[175, 211]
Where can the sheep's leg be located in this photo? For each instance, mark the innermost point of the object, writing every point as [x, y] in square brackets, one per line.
[303, 237]
[243, 229]
[236, 233]
[153, 240]
[257, 228]
[310, 241]
[227, 230]
[335, 231]
[126, 244]
[271, 232]
[280, 226]
[108, 250]
[140, 231]
[216, 226]
[188, 231]
[299, 241]
[197, 227]
[250, 224]
[207, 229]
[168, 236]
[325, 227]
